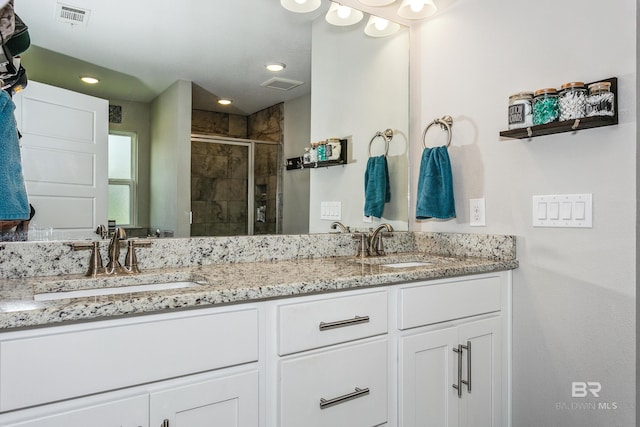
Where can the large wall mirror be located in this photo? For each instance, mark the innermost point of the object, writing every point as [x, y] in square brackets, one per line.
[165, 64]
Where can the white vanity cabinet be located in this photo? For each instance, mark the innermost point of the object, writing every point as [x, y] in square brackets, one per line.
[452, 361]
[323, 381]
[46, 374]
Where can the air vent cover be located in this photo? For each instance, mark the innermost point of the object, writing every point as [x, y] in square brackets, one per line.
[72, 14]
[282, 84]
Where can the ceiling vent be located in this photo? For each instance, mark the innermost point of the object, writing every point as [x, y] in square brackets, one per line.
[282, 84]
[71, 14]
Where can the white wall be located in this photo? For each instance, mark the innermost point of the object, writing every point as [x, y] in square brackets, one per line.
[295, 207]
[368, 80]
[171, 159]
[574, 293]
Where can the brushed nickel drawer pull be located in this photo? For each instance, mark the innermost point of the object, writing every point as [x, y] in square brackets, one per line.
[458, 386]
[324, 326]
[468, 380]
[360, 392]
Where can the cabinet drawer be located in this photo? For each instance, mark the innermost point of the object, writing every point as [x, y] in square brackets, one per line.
[330, 375]
[426, 304]
[69, 361]
[304, 326]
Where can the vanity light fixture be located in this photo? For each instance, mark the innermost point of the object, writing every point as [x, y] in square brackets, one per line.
[343, 15]
[380, 27]
[300, 6]
[89, 80]
[224, 101]
[417, 9]
[275, 66]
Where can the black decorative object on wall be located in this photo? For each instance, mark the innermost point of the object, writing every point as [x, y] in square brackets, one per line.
[115, 114]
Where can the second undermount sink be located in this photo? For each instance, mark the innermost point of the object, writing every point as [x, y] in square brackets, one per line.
[408, 264]
[102, 291]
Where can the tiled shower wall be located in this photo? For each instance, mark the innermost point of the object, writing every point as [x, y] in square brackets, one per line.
[218, 179]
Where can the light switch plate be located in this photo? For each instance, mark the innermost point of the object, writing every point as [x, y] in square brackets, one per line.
[563, 210]
[331, 211]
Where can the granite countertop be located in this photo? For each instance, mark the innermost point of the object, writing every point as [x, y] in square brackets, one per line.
[221, 284]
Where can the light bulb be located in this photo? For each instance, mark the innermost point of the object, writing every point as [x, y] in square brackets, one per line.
[381, 24]
[300, 1]
[417, 5]
[344, 12]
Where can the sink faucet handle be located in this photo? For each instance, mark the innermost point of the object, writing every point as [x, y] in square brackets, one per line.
[102, 231]
[95, 261]
[363, 244]
[130, 260]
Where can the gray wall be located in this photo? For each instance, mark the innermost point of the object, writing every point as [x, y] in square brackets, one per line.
[295, 205]
[574, 294]
[171, 159]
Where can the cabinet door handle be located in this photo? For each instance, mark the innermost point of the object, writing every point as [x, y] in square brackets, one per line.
[360, 392]
[458, 386]
[165, 423]
[324, 326]
[468, 380]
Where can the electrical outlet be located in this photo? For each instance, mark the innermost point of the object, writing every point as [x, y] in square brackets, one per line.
[477, 213]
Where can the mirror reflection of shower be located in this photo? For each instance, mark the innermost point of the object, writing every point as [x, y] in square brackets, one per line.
[235, 187]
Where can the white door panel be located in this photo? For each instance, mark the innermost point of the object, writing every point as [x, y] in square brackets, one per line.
[64, 154]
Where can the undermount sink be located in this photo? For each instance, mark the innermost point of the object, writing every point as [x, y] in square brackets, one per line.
[407, 264]
[79, 293]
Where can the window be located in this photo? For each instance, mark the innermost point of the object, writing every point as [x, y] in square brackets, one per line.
[122, 177]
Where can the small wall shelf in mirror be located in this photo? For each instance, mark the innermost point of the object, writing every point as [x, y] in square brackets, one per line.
[298, 163]
[569, 125]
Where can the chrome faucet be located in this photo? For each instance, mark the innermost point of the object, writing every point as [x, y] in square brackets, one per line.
[114, 266]
[341, 226]
[375, 239]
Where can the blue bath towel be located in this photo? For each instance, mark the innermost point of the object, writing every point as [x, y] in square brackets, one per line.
[377, 190]
[435, 185]
[13, 194]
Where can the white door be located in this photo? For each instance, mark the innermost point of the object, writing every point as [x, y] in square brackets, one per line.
[481, 407]
[130, 412]
[428, 369]
[64, 155]
[228, 401]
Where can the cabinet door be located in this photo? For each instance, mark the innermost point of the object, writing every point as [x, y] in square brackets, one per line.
[482, 406]
[227, 401]
[131, 412]
[428, 368]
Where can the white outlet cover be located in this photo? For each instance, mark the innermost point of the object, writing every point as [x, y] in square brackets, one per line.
[477, 214]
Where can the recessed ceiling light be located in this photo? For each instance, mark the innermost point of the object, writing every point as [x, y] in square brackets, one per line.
[276, 66]
[89, 80]
[224, 101]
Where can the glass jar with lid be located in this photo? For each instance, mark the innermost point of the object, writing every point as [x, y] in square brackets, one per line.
[545, 106]
[572, 101]
[600, 100]
[521, 110]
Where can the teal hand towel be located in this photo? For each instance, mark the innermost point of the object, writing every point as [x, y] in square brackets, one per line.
[377, 190]
[13, 194]
[435, 185]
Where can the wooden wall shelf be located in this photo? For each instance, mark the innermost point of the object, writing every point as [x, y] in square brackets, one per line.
[569, 125]
[297, 163]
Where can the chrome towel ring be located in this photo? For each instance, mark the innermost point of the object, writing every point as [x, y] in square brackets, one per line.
[445, 123]
[387, 135]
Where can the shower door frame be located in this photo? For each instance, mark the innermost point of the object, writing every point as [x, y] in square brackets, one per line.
[251, 190]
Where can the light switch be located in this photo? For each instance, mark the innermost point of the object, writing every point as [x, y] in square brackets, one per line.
[565, 210]
[554, 210]
[579, 210]
[331, 210]
[542, 210]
